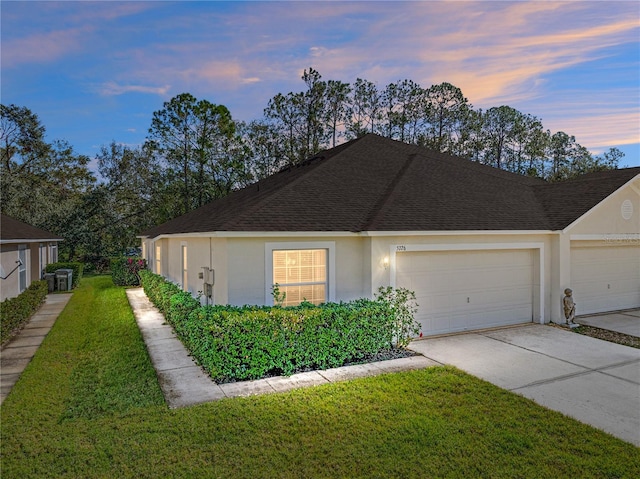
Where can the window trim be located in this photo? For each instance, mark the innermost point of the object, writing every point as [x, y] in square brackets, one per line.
[269, 248]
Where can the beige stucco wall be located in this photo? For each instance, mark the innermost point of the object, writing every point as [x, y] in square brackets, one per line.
[385, 247]
[247, 263]
[603, 226]
[360, 269]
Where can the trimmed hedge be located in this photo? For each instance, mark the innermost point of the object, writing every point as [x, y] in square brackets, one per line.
[125, 271]
[251, 342]
[78, 269]
[14, 312]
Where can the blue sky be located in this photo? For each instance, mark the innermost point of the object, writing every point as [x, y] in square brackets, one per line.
[96, 71]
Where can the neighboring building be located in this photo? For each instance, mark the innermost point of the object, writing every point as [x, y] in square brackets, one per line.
[25, 251]
[481, 247]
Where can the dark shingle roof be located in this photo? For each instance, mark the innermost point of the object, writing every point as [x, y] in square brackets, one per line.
[377, 184]
[567, 201]
[13, 230]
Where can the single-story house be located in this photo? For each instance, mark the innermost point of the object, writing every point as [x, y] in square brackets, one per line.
[25, 251]
[480, 247]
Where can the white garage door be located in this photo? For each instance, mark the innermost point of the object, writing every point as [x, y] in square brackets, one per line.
[605, 278]
[466, 290]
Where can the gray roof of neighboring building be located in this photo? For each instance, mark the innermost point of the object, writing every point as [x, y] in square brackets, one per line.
[377, 184]
[12, 230]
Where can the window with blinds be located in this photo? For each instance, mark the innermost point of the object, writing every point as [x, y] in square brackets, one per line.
[185, 273]
[301, 275]
[158, 259]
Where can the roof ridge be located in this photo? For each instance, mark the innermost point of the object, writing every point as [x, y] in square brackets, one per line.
[378, 206]
[312, 163]
[498, 172]
[469, 164]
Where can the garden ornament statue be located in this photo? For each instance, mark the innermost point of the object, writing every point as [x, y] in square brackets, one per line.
[569, 306]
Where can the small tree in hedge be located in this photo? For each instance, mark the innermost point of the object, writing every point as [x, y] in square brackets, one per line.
[126, 271]
[402, 303]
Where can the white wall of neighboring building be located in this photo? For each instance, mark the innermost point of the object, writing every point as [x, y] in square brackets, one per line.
[9, 287]
[37, 254]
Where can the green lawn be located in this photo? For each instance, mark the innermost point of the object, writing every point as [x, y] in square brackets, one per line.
[89, 405]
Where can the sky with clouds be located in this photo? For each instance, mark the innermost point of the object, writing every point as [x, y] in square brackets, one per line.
[96, 71]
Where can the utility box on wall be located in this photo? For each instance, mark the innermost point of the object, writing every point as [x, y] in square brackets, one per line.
[209, 279]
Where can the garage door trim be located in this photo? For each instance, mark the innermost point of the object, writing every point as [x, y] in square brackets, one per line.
[396, 249]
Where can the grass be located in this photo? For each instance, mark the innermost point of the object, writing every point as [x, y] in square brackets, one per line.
[89, 405]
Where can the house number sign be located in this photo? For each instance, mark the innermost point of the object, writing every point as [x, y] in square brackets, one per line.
[401, 247]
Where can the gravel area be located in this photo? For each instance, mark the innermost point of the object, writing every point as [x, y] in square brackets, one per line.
[612, 336]
[606, 335]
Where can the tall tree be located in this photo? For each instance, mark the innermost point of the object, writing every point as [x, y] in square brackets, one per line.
[263, 144]
[470, 142]
[303, 120]
[336, 100]
[560, 150]
[409, 117]
[314, 110]
[42, 183]
[499, 125]
[446, 110]
[191, 139]
[130, 197]
[363, 110]
[285, 118]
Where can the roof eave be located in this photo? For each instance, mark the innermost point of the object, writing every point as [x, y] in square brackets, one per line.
[31, 240]
[316, 234]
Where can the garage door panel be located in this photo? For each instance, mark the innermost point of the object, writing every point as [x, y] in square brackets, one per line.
[605, 278]
[462, 290]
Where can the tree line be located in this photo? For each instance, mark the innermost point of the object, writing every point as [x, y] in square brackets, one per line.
[196, 152]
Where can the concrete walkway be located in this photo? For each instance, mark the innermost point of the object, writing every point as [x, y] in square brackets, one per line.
[627, 322]
[18, 352]
[593, 381]
[184, 383]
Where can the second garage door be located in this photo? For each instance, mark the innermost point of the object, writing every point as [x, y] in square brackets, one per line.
[466, 290]
[605, 278]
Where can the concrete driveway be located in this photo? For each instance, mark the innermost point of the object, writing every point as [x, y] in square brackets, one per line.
[593, 381]
[627, 322]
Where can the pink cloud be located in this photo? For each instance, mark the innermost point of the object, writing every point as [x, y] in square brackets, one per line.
[42, 47]
[113, 89]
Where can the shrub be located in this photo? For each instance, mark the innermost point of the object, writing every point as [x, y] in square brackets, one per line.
[125, 271]
[78, 269]
[403, 306]
[249, 342]
[95, 264]
[158, 290]
[16, 311]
